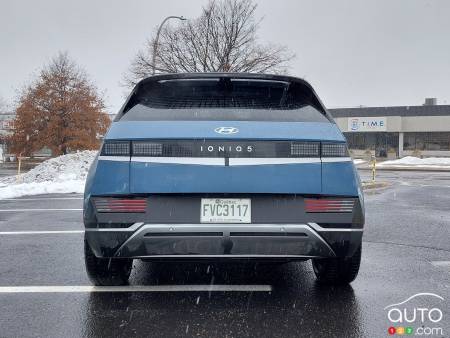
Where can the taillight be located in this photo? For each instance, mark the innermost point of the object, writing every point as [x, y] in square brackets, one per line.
[334, 150]
[328, 205]
[305, 149]
[109, 204]
[317, 149]
[116, 148]
[142, 148]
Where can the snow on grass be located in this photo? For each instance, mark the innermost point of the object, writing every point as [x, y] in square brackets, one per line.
[49, 187]
[63, 174]
[411, 161]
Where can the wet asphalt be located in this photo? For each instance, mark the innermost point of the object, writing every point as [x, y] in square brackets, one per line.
[407, 232]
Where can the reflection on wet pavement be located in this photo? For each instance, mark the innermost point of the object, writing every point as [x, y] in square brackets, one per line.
[296, 307]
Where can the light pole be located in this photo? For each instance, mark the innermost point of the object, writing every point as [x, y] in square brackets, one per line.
[155, 45]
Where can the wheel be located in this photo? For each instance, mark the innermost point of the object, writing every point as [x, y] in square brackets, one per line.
[106, 271]
[337, 271]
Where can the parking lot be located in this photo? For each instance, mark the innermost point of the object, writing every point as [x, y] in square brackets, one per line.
[44, 290]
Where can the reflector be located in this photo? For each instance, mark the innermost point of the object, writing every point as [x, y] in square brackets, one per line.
[328, 205]
[111, 204]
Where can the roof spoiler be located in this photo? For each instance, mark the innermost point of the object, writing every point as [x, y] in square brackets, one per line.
[149, 81]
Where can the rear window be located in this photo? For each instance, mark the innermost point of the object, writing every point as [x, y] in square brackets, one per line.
[223, 99]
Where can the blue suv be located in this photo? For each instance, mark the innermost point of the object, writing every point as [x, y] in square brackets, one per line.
[223, 166]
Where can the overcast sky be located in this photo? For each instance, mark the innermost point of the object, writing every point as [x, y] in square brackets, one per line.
[371, 53]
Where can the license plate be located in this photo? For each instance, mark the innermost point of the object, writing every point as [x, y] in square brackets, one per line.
[222, 210]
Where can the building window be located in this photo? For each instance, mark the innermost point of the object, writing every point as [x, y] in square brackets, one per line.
[427, 141]
[360, 141]
[380, 142]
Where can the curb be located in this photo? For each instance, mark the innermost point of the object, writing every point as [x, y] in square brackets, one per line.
[374, 185]
[443, 170]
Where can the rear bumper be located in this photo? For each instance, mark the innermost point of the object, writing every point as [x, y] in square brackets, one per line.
[223, 241]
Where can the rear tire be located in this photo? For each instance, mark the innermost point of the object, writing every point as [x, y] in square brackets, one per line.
[106, 271]
[337, 271]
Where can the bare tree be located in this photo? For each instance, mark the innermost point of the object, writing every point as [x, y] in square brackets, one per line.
[223, 39]
[61, 109]
[4, 107]
[2, 104]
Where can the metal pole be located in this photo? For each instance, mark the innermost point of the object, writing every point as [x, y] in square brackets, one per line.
[374, 167]
[18, 168]
[155, 44]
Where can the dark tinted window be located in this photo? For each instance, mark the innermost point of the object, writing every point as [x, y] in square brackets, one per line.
[224, 99]
[144, 113]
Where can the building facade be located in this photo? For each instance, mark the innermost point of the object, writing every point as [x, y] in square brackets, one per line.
[396, 131]
[6, 120]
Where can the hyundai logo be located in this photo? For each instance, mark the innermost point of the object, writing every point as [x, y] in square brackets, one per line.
[226, 130]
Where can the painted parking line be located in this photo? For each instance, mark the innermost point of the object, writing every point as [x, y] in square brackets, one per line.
[49, 232]
[411, 184]
[136, 288]
[441, 264]
[41, 199]
[37, 210]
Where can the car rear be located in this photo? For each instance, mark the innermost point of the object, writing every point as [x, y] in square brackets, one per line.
[223, 166]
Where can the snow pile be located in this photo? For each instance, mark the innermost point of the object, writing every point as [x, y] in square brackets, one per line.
[63, 174]
[357, 161]
[410, 161]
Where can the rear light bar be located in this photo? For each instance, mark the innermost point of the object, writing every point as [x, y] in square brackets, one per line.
[284, 149]
[328, 205]
[110, 204]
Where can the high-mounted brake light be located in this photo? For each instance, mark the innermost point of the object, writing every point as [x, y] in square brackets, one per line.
[109, 204]
[328, 205]
[116, 148]
[334, 150]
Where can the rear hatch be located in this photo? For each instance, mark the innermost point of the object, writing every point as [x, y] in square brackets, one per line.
[261, 157]
[226, 134]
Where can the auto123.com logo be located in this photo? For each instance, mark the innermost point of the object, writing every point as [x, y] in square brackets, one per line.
[413, 317]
